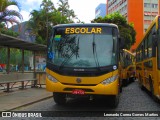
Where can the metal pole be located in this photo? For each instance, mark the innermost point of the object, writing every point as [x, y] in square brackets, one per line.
[8, 60]
[34, 61]
[34, 64]
[22, 60]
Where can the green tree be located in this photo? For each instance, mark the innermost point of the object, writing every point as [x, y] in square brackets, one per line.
[65, 10]
[48, 7]
[7, 15]
[41, 21]
[37, 24]
[127, 31]
[33, 23]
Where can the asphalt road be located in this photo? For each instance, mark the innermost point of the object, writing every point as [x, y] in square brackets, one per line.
[133, 101]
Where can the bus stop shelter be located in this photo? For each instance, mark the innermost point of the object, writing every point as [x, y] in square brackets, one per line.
[9, 42]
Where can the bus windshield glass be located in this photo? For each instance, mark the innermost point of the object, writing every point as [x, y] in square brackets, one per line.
[83, 47]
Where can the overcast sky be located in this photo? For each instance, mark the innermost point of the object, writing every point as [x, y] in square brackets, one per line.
[84, 9]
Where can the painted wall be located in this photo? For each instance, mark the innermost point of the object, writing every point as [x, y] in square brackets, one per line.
[135, 15]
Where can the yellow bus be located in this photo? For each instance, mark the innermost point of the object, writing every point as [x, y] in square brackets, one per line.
[127, 71]
[83, 61]
[148, 59]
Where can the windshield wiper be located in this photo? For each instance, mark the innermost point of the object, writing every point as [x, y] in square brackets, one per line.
[95, 53]
[73, 51]
[66, 60]
[77, 49]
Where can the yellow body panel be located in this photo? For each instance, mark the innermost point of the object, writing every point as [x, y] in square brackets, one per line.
[69, 82]
[147, 68]
[127, 71]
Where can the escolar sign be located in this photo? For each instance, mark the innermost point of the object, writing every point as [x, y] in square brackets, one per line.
[83, 30]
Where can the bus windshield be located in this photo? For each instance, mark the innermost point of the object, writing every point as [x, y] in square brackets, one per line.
[85, 47]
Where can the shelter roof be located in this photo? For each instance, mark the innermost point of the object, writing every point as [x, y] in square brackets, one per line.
[14, 42]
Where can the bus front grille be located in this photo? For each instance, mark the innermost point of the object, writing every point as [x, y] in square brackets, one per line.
[79, 84]
[71, 89]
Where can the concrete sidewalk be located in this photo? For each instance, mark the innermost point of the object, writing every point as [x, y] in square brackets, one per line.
[12, 100]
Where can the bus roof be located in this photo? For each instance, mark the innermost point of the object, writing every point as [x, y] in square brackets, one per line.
[87, 24]
[150, 26]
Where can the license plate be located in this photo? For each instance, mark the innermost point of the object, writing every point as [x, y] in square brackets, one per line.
[78, 91]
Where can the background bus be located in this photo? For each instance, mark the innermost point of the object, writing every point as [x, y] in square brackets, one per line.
[127, 71]
[148, 59]
[83, 61]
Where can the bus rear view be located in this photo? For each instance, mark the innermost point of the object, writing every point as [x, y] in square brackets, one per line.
[83, 61]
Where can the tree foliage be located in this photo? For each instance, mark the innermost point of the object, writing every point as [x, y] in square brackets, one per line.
[65, 10]
[127, 31]
[8, 15]
[9, 32]
[41, 21]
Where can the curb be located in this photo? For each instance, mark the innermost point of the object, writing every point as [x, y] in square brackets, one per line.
[30, 103]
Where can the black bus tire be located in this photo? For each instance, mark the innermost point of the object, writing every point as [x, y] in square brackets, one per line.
[132, 79]
[124, 82]
[152, 90]
[114, 101]
[59, 98]
[140, 82]
[120, 89]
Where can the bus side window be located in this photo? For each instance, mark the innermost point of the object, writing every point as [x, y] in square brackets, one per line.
[150, 45]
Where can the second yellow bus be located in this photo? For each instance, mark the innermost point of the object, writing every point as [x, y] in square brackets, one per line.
[148, 59]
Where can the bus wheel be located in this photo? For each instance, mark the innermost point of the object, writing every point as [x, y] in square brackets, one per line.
[124, 82]
[59, 98]
[132, 79]
[140, 83]
[114, 101]
[152, 90]
[120, 89]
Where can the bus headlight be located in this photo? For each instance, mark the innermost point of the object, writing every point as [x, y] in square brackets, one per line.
[51, 78]
[109, 80]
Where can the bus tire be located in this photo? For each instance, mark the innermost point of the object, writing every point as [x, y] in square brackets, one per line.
[59, 98]
[114, 101]
[120, 89]
[132, 79]
[120, 85]
[140, 83]
[152, 90]
[124, 82]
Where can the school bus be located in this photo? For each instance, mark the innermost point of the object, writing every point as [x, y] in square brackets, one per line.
[148, 59]
[83, 61]
[127, 71]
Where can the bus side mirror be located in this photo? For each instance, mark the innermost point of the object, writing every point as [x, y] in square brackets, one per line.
[121, 43]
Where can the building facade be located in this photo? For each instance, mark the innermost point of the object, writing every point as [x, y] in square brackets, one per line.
[100, 10]
[139, 12]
